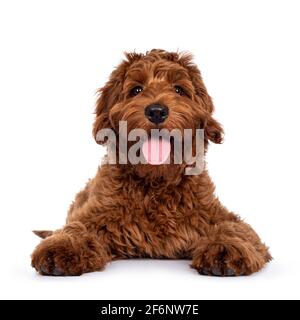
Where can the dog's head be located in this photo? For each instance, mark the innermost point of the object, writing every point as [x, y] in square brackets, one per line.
[157, 90]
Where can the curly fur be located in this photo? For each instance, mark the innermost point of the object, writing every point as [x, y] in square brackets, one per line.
[141, 210]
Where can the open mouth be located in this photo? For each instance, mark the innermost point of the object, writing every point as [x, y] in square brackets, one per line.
[154, 146]
[156, 150]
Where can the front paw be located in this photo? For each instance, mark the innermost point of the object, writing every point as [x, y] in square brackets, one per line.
[231, 259]
[56, 256]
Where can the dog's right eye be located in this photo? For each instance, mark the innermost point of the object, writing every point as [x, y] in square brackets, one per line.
[136, 90]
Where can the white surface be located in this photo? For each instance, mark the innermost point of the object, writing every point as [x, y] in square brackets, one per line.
[54, 54]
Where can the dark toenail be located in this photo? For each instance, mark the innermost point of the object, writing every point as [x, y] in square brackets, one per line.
[204, 271]
[216, 271]
[57, 272]
[229, 272]
[43, 270]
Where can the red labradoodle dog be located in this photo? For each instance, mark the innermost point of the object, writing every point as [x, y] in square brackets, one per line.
[146, 210]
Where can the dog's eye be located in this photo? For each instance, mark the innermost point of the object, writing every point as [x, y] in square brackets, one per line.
[179, 90]
[136, 90]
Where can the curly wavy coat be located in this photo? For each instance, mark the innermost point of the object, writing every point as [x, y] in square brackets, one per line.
[151, 211]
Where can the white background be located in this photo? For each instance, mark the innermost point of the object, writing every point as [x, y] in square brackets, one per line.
[55, 54]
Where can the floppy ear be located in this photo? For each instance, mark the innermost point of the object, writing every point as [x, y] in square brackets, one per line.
[213, 130]
[111, 93]
[107, 97]
[185, 59]
[201, 91]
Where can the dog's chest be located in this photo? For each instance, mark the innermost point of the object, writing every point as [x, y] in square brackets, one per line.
[167, 204]
[158, 224]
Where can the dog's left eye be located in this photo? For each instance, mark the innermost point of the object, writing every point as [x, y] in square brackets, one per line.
[136, 90]
[179, 90]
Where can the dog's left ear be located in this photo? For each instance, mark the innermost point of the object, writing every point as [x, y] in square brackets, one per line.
[213, 130]
[186, 60]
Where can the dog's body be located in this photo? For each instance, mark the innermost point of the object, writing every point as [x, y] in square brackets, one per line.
[152, 211]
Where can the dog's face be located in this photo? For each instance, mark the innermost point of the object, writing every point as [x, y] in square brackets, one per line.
[155, 91]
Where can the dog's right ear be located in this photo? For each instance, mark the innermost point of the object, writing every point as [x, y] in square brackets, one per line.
[111, 93]
[107, 97]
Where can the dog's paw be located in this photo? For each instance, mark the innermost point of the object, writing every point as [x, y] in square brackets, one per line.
[56, 256]
[227, 260]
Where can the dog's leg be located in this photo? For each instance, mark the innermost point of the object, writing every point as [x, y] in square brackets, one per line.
[70, 251]
[230, 248]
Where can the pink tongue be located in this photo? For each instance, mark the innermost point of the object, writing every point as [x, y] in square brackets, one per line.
[156, 151]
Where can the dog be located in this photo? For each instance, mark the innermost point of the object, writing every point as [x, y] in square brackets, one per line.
[152, 211]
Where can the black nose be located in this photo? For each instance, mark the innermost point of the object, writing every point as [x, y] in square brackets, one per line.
[156, 113]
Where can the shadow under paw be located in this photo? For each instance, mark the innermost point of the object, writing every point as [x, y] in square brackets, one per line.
[218, 272]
